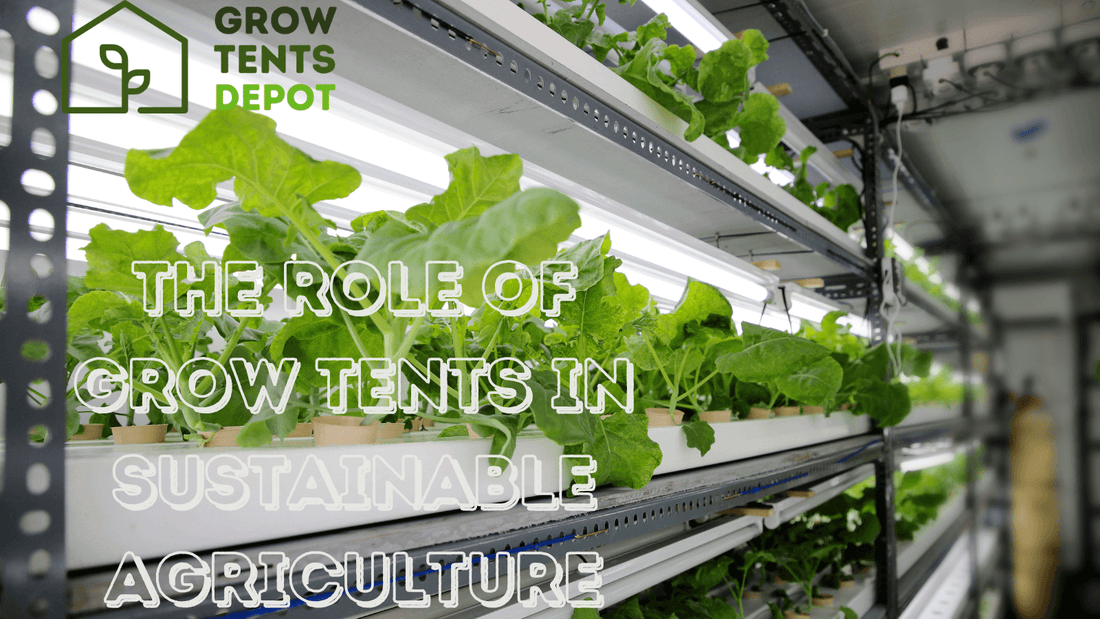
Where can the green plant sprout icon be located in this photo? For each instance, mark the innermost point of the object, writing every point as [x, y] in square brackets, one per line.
[121, 62]
[123, 66]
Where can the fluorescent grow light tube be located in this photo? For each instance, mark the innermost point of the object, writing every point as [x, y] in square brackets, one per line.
[650, 246]
[901, 247]
[925, 462]
[343, 128]
[686, 17]
[807, 308]
[775, 175]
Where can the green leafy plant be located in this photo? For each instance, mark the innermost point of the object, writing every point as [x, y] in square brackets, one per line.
[675, 353]
[840, 205]
[713, 96]
[929, 279]
[481, 219]
[938, 388]
[784, 365]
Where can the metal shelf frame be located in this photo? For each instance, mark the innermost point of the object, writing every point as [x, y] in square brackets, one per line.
[32, 581]
[674, 500]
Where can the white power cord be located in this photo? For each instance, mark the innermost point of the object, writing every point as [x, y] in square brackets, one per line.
[891, 306]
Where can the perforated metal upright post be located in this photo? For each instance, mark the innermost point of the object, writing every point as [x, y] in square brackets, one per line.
[32, 519]
[874, 221]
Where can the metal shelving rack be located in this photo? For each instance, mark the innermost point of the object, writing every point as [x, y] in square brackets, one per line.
[677, 510]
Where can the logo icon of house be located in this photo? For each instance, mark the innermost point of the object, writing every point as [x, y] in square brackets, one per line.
[114, 57]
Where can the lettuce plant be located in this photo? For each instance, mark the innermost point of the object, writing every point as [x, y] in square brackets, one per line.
[712, 95]
[676, 354]
[482, 218]
[782, 364]
[938, 388]
[840, 205]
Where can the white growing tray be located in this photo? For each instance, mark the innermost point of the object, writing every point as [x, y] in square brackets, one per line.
[929, 413]
[99, 530]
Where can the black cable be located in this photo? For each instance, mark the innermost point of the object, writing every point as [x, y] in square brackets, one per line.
[917, 115]
[788, 36]
[959, 86]
[787, 308]
[859, 149]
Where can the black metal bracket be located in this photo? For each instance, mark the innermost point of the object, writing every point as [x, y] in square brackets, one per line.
[943, 339]
[874, 222]
[840, 125]
[839, 287]
[819, 50]
[32, 344]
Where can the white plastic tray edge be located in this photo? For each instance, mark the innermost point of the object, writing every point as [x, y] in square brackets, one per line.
[90, 481]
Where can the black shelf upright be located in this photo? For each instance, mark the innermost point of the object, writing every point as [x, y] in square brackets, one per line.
[32, 580]
[874, 221]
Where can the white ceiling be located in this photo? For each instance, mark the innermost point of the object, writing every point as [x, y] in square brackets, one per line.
[865, 28]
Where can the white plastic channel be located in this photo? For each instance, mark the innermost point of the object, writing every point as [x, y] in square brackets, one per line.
[944, 595]
[927, 536]
[789, 508]
[622, 580]
[104, 530]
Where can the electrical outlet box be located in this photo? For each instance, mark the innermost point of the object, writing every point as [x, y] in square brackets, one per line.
[929, 48]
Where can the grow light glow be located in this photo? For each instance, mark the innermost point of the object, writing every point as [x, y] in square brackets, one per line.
[344, 128]
[902, 248]
[803, 307]
[925, 462]
[952, 291]
[974, 306]
[690, 22]
[645, 245]
[857, 324]
[775, 175]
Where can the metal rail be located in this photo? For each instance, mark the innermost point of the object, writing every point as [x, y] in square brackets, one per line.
[32, 344]
[668, 501]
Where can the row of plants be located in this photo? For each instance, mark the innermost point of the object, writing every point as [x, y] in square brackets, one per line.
[820, 551]
[692, 365]
[939, 388]
[928, 279]
[711, 92]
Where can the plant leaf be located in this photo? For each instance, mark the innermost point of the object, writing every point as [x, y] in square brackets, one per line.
[769, 355]
[526, 227]
[476, 184]
[271, 176]
[111, 253]
[815, 384]
[699, 435]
